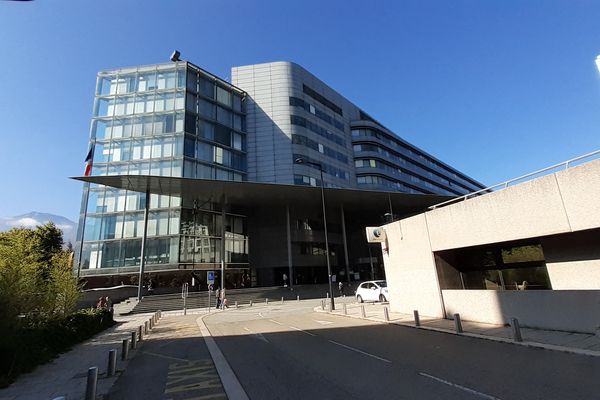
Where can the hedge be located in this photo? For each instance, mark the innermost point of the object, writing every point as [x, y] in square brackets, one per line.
[37, 342]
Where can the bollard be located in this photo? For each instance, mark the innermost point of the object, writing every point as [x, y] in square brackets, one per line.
[322, 304]
[112, 362]
[236, 304]
[417, 319]
[327, 294]
[282, 299]
[457, 323]
[145, 327]
[250, 303]
[345, 309]
[92, 383]
[151, 323]
[516, 330]
[386, 314]
[124, 349]
[362, 311]
[159, 314]
[267, 300]
[140, 336]
[133, 340]
[297, 298]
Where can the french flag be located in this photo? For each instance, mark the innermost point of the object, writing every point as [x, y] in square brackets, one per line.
[88, 162]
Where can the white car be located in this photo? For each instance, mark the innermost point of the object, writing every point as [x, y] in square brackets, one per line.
[372, 291]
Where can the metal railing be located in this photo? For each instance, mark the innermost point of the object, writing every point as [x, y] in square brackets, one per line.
[564, 165]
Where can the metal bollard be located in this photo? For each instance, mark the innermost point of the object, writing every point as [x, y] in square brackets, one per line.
[345, 309]
[140, 335]
[516, 330]
[362, 311]
[92, 383]
[267, 300]
[457, 323]
[112, 362]
[327, 294]
[159, 314]
[417, 319]
[133, 340]
[125, 349]
[297, 298]
[322, 304]
[250, 303]
[386, 314]
[151, 323]
[145, 327]
[282, 299]
[236, 304]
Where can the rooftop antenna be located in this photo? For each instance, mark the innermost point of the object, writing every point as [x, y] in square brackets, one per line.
[175, 56]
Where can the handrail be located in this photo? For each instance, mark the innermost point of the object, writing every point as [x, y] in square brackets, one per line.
[504, 185]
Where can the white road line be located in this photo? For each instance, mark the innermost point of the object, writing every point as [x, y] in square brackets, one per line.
[260, 315]
[247, 330]
[275, 322]
[359, 351]
[303, 331]
[466, 389]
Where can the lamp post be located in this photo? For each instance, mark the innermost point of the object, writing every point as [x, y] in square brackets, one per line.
[303, 161]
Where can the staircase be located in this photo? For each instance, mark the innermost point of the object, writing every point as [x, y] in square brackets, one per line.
[173, 302]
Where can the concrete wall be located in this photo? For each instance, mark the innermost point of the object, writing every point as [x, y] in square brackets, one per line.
[410, 269]
[561, 209]
[565, 310]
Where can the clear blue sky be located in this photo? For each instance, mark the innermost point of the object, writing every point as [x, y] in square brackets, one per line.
[493, 88]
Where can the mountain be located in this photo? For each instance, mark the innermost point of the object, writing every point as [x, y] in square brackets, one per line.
[33, 219]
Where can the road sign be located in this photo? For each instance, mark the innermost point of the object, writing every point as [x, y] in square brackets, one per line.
[210, 277]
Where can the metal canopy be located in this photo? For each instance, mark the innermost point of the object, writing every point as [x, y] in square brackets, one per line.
[268, 194]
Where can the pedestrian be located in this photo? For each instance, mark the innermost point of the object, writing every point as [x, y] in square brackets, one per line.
[341, 287]
[285, 278]
[218, 296]
[223, 299]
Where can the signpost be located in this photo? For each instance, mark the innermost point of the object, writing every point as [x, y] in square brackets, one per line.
[210, 280]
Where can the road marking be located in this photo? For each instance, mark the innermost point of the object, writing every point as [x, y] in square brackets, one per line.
[259, 336]
[199, 376]
[303, 331]
[163, 356]
[359, 351]
[323, 322]
[466, 389]
[260, 315]
[275, 322]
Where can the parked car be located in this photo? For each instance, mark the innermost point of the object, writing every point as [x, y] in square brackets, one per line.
[372, 291]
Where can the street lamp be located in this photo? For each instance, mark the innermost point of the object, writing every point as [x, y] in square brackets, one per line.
[303, 161]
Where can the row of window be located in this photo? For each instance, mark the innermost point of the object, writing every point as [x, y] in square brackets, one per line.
[387, 183]
[126, 253]
[138, 149]
[140, 81]
[211, 111]
[370, 163]
[205, 87]
[139, 104]
[205, 250]
[408, 164]
[401, 147]
[131, 224]
[203, 151]
[207, 223]
[327, 169]
[329, 152]
[319, 130]
[306, 180]
[215, 132]
[155, 168]
[322, 99]
[157, 124]
[105, 200]
[199, 170]
[297, 102]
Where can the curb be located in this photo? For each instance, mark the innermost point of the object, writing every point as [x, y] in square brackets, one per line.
[537, 345]
[231, 384]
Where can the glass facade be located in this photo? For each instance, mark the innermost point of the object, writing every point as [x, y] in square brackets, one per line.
[166, 120]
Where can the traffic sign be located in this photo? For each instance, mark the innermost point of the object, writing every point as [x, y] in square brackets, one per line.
[210, 277]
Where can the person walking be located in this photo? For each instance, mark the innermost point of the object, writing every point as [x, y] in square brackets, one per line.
[341, 288]
[218, 296]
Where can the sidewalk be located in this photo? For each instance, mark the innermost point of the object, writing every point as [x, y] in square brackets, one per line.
[67, 374]
[579, 343]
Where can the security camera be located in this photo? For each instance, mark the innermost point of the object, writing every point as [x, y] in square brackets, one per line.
[175, 56]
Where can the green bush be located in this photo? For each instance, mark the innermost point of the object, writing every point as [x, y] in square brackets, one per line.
[38, 341]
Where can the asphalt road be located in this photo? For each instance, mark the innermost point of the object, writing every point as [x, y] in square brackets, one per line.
[290, 352]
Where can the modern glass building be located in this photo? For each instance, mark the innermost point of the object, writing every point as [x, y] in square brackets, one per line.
[180, 122]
